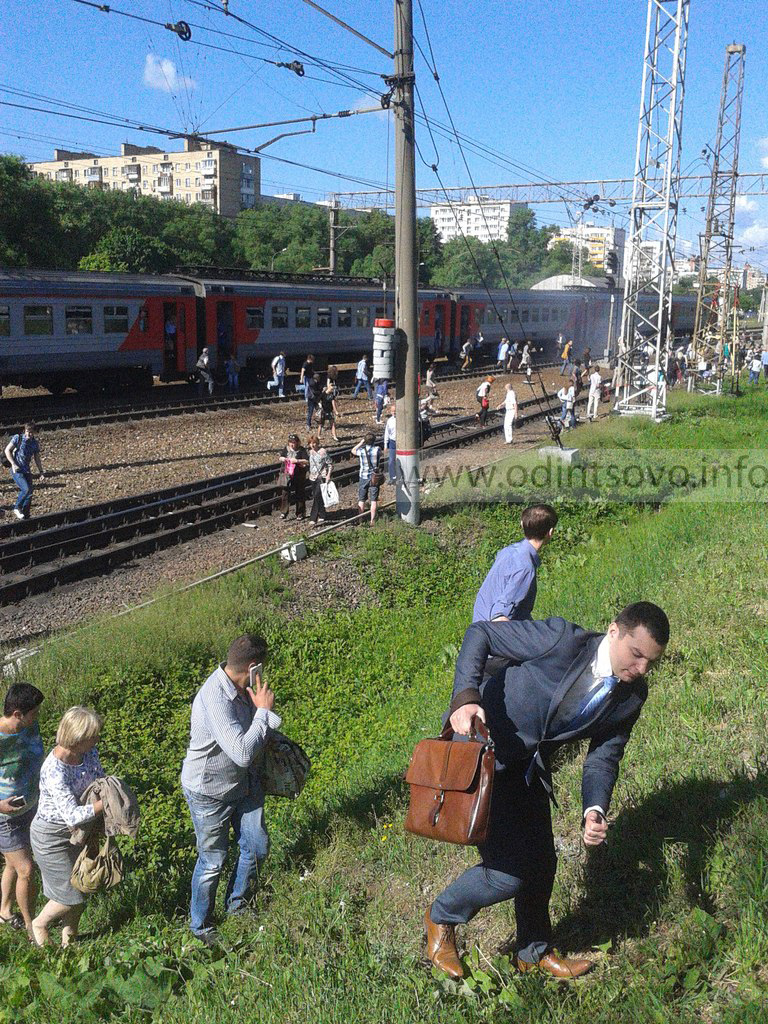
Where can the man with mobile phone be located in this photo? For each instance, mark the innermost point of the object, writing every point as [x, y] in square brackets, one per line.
[21, 757]
[232, 720]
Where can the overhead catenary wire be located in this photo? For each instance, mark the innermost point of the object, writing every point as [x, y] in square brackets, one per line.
[494, 248]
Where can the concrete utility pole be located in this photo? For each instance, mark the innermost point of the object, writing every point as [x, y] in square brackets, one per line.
[333, 227]
[406, 270]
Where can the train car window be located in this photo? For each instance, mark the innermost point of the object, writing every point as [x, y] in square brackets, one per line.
[363, 316]
[5, 321]
[524, 314]
[38, 319]
[555, 315]
[254, 318]
[379, 312]
[426, 316]
[279, 316]
[115, 319]
[545, 316]
[534, 316]
[490, 315]
[323, 316]
[344, 316]
[78, 320]
[303, 318]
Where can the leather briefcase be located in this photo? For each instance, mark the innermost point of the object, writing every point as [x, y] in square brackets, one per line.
[451, 784]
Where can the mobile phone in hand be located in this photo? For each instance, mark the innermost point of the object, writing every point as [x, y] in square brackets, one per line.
[255, 670]
[17, 802]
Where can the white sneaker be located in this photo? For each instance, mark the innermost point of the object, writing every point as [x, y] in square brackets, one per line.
[18, 514]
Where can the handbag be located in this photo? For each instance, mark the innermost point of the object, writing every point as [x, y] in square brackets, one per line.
[285, 767]
[329, 493]
[98, 866]
[451, 785]
[376, 477]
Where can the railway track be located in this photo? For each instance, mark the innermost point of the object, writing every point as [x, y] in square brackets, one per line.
[53, 550]
[91, 416]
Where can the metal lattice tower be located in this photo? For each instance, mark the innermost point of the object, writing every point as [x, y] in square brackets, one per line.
[646, 320]
[716, 293]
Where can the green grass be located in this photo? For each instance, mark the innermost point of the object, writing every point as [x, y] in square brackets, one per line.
[674, 909]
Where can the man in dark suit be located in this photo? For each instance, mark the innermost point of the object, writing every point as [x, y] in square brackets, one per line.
[560, 683]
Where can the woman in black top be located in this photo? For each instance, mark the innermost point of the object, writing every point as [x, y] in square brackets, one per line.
[293, 478]
[328, 409]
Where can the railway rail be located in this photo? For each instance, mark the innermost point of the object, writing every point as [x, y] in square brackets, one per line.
[91, 416]
[61, 548]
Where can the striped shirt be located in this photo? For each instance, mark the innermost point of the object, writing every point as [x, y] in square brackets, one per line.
[227, 737]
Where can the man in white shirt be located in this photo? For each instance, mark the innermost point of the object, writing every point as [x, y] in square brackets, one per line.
[278, 374]
[390, 443]
[567, 396]
[595, 387]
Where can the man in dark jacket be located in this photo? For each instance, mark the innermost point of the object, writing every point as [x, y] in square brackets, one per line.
[560, 683]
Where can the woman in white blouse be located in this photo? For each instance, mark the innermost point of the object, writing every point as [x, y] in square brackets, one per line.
[69, 769]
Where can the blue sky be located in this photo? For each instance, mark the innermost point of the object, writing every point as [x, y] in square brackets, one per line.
[553, 85]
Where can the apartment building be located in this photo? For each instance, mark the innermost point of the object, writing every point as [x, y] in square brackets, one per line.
[213, 174]
[480, 217]
[597, 240]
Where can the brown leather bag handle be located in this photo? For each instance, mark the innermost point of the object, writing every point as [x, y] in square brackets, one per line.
[478, 731]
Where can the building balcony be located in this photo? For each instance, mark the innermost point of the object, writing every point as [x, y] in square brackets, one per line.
[64, 175]
[209, 168]
[132, 171]
[166, 166]
[92, 174]
[165, 185]
[208, 195]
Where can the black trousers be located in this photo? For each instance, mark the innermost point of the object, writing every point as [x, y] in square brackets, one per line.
[294, 491]
[518, 861]
[318, 505]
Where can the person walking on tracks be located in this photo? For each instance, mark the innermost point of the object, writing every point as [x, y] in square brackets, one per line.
[329, 411]
[483, 396]
[565, 355]
[320, 469]
[20, 451]
[559, 683]
[204, 373]
[595, 391]
[293, 478]
[509, 405]
[371, 478]
[232, 721]
[278, 374]
[361, 378]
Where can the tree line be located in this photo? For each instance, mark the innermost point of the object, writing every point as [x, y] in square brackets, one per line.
[62, 226]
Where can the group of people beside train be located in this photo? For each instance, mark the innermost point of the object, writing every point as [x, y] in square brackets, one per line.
[533, 685]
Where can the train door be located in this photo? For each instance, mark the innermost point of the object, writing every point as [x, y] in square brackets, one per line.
[174, 338]
[465, 311]
[225, 331]
[439, 328]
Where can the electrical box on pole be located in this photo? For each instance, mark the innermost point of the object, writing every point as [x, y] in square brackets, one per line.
[406, 270]
[646, 325]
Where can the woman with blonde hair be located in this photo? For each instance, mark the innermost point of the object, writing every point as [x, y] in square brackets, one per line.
[69, 769]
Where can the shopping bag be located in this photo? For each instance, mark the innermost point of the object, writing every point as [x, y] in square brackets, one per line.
[329, 494]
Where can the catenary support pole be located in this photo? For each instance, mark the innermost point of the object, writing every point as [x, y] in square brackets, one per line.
[406, 267]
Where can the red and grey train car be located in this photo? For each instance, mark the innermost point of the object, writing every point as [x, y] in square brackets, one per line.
[83, 330]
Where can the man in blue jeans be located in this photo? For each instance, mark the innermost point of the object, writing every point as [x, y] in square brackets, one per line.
[20, 451]
[232, 720]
